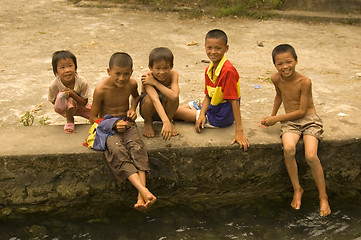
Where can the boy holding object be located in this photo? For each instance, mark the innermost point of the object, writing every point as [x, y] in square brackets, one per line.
[125, 152]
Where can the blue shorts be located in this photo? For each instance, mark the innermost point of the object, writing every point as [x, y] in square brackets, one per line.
[197, 105]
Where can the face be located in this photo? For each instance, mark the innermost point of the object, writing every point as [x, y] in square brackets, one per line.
[66, 70]
[285, 64]
[120, 75]
[215, 49]
[161, 70]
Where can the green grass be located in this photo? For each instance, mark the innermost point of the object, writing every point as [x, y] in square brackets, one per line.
[198, 8]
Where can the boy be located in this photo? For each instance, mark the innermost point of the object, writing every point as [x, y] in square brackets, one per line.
[220, 107]
[160, 93]
[295, 91]
[68, 92]
[125, 152]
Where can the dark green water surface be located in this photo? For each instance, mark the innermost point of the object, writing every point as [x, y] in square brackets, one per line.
[266, 218]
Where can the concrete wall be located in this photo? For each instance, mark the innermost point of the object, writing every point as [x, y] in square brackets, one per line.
[81, 181]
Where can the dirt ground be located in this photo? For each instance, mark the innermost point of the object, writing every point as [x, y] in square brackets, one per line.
[32, 30]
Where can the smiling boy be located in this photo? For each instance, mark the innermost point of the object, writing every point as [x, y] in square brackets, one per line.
[125, 152]
[294, 90]
[221, 104]
[160, 93]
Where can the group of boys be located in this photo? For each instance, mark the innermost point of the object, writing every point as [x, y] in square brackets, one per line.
[116, 98]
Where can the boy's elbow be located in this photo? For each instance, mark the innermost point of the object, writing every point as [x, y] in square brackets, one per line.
[92, 119]
[174, 98]
[302, 113]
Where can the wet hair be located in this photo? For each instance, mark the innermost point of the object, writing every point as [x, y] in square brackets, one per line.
[63, 54]
[161, 54]
[282, 49]
[121, 59]
[218, 34]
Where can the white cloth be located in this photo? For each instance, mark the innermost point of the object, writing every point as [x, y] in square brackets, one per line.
[81, 87]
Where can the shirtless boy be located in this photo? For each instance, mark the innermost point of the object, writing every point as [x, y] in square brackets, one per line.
[126, 154]
[300, 119]
[160, 93]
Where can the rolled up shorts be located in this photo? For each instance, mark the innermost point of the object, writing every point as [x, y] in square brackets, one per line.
[126, 154]
[310, 124]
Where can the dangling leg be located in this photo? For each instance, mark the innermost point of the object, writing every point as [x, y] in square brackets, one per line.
[311, 145]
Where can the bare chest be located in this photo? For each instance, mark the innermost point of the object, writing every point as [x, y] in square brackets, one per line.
[290, 90]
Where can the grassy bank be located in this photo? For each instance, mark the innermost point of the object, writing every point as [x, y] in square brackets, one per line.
[198, 8]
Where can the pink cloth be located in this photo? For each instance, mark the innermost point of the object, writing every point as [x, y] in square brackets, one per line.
[62, 104]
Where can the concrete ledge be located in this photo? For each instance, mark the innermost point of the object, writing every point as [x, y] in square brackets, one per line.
[43, 169]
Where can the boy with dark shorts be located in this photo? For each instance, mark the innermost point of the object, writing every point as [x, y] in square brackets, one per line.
[221, 104]
[160, 93]
[295, 92]
[125, 152]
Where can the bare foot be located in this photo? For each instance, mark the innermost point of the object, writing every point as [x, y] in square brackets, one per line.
[324, 207]
[296, 201]
[148, 198]
[148, 129]
[140, 205]
[174, 131]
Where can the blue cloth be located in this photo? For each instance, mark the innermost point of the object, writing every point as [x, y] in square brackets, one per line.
[220, 115]
[103, 131]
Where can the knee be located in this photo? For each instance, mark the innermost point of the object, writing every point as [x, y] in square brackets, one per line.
[147, 101]
[135, 149]
[311, 158]
[289, 151]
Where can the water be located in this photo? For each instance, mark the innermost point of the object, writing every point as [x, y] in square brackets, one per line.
[269, 218]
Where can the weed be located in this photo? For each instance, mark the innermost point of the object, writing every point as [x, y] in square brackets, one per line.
[44, 121]
[27, 119]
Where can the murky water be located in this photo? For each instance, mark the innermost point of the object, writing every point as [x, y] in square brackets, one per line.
[270, 218]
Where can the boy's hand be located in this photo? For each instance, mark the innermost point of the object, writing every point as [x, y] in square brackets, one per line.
[269, 121]
[241, 140]
[68, 92]
[121, 126]
[131, 114]
[148, 79]
[200, 122]
[167, 130]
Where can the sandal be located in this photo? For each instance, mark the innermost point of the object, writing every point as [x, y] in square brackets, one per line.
[69, 128]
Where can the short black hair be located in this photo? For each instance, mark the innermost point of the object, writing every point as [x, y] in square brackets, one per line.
[282, 48]
[62, 54]
[161, 54]
[121, 59]
[218, 34]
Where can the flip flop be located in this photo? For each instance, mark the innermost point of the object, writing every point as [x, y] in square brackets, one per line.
[69, 128]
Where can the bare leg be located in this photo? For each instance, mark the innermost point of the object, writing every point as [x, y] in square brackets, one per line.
[70, 115]
[289, 150]
[311, 145]
[148, 111]
[185, 113]
[170, 108]
[140, 204]
[145, 197]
